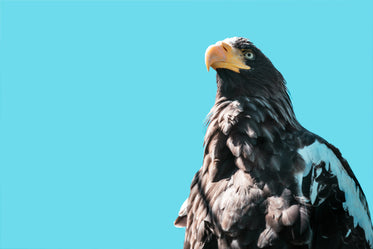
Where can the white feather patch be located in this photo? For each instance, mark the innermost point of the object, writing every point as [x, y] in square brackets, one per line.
[184, 208]
[313, 155]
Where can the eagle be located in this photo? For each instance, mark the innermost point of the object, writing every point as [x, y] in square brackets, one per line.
[267, 182]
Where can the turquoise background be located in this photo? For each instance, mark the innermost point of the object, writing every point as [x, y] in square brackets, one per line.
[103, 104]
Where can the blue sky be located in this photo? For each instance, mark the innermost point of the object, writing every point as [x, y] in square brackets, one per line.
[103, 104]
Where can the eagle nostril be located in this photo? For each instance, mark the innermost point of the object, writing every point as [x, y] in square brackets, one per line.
[225, 46]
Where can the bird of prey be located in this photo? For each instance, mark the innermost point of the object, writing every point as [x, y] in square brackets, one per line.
[267, 182]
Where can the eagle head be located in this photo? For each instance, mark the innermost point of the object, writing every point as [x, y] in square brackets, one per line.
[242, 69]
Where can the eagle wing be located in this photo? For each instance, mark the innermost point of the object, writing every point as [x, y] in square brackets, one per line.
[339, 212]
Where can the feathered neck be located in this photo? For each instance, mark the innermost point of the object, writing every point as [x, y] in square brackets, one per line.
[270, 90]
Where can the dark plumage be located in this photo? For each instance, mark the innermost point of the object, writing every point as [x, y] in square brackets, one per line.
[266, 182]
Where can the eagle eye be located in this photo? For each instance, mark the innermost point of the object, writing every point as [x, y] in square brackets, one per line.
[249, 55]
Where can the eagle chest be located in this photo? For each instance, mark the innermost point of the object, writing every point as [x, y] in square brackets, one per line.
[249, 135]
[248, 171]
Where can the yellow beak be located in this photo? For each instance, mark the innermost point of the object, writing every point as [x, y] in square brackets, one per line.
[223, 55]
